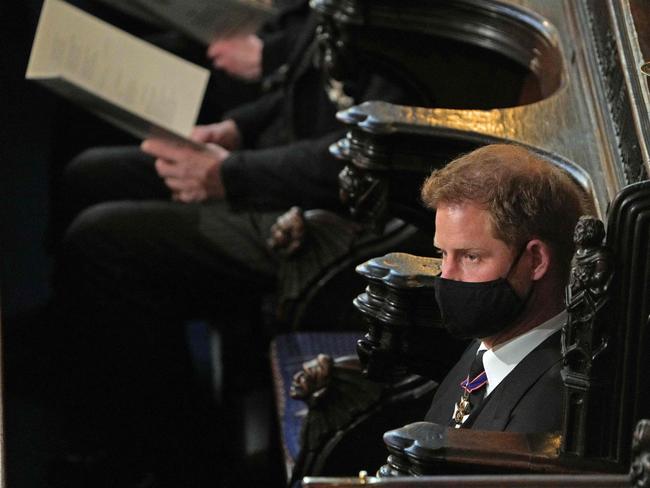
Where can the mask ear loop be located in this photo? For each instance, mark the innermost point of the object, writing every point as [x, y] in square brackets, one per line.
[514, 263]
[516, 260]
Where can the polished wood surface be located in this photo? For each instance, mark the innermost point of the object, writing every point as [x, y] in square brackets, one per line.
[505, 481]
[594, 122]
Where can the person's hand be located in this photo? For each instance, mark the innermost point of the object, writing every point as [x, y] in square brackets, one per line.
[225, 134]
[239, 56]
[192, 174]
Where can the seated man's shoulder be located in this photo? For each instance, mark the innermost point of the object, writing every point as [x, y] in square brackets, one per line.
[540, 409]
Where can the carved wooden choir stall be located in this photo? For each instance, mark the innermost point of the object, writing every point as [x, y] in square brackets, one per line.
[562, 78]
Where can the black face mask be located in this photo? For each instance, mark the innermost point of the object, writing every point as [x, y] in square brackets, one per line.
[478, 310]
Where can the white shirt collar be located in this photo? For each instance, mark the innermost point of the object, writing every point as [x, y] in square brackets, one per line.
[503, 358]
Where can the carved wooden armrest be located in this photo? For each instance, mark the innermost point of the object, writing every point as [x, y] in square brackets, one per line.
[347, 409]
[424, 448]
[404, 328]
[431, 440]
[302, 239]
[389, 149]
[291, 230]
[311, 384]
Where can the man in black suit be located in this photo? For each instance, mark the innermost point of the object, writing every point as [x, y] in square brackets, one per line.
[504, 226]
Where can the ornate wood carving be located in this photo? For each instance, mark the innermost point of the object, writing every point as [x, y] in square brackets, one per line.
[336, 395]
[413, 440]
[341, 399]
[404, 329]
[423, 448]
[622, 83]
[390, 36]
[605, 340]
[315, 296]
[387, 162]
[288, 232]
[586, 335]
[301, 238]
[596, 101]
[366, 194]
[628, 234]
[310, 384]
[640, 469]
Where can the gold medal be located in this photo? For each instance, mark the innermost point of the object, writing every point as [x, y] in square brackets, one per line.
[462, 408]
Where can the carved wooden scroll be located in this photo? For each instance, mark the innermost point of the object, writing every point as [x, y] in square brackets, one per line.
[404, 329]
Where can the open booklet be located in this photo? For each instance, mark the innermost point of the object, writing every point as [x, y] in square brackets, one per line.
[133, 84]
[201, 20]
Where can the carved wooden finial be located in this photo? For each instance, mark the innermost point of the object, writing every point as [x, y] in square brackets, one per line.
[365, 193]
[589, 232]
[591, 266]
[591, 273]
[586, 337]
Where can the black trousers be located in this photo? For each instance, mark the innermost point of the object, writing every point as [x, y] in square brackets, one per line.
[170, 259]
[131, 267]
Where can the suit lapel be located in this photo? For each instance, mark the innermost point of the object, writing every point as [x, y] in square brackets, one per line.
[496, 411]
[449, 391]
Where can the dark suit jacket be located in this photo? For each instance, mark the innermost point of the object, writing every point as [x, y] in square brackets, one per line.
[281, 33]
[284, 159]
[529, 399]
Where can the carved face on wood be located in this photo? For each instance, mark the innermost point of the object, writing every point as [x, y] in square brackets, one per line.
[588, 232]
[364, 194]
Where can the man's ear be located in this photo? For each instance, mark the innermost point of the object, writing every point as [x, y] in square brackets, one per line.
[540, 253]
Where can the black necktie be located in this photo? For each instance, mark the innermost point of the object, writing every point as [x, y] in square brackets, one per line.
[472, 390]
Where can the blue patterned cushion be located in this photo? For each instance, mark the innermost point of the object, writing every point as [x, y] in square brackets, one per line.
[288, 352]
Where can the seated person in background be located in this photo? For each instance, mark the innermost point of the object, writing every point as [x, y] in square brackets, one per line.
[245, 67]
[297, 108]
[155, 242]
[252, 57]
[504, 225]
